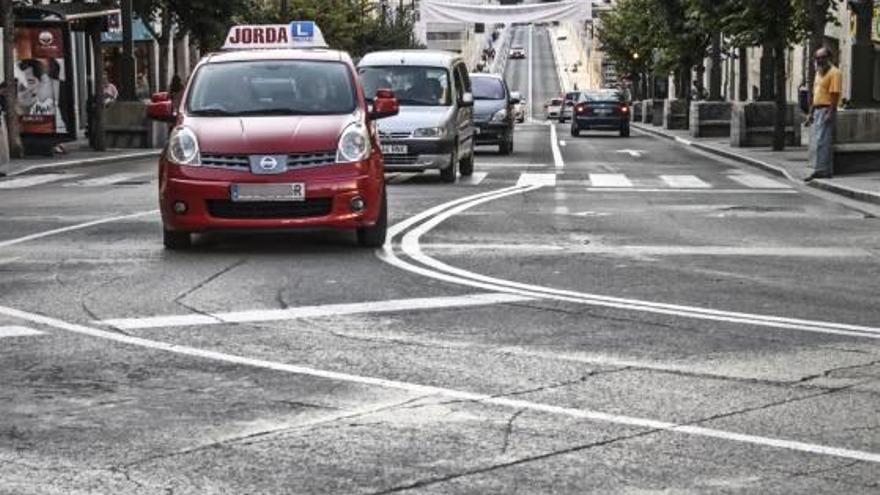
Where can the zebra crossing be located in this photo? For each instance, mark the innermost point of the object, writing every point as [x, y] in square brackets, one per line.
[734, 182]
[739, 181]
[77, 180]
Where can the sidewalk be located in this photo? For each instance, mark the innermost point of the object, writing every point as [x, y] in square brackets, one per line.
[74, 158]
[790, 164]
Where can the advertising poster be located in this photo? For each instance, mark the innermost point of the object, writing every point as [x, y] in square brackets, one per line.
[39, 75]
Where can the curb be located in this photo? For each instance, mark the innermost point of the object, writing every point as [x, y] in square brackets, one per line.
[849, 192]
[101, 160]
[822, 184]
[754, 162]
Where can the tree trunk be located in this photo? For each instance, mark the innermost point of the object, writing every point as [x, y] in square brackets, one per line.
[13, 128]
[781, 100]
[768, 69]
[817, 11]
[164, 48]
[715, 71]
[743, 74]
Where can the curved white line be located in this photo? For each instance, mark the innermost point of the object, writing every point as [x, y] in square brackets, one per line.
[411, 247]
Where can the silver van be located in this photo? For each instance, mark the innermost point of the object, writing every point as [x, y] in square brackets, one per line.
[435, 126]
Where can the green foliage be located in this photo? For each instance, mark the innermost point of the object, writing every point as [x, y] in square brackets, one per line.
[628, 36]
[355, 26]
[207, 21]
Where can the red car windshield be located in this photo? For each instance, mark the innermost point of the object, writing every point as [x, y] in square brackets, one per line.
[272, 87]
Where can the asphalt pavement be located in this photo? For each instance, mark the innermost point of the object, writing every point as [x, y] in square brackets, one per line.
[589, 315]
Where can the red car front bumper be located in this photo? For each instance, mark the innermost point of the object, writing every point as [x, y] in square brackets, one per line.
[329, 192]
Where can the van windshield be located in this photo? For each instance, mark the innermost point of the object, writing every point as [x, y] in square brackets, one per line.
[413, 86]
[272, 87]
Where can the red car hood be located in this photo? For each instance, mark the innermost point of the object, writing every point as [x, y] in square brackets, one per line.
[268, 135]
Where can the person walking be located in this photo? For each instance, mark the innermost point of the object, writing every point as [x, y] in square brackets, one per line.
[823, 116]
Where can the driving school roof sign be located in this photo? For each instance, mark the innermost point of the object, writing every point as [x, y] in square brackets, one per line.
[297, 34]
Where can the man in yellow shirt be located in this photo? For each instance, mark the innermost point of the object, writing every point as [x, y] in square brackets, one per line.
[823, 114]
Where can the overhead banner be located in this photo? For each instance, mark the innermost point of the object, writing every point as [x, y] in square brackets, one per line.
[441, 11]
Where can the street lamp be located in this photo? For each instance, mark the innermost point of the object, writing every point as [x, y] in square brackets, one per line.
[635, 56]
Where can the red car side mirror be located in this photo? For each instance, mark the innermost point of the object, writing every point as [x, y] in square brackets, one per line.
[384, 105]
[161, 108]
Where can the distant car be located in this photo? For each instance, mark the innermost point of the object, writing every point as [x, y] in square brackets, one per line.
[569, 99]
[604, 109]
[519, 108]
[493, 111]
[517, 52]
[553, 108]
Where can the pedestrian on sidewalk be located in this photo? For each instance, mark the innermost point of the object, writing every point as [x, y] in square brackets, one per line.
[823, 116]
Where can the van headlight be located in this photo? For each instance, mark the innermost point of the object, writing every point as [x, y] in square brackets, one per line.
[430, 132]
[500, 115]
[354, 144]
[183, 147]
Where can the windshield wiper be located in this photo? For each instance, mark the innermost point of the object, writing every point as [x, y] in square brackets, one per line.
[274, 111]
[212, 112]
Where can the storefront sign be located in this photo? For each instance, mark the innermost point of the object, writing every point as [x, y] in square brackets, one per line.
[39, 75]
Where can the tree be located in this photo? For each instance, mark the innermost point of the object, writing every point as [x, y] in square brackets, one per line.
[627, 38]
[776, 25]
[817, 14]
[13, 128]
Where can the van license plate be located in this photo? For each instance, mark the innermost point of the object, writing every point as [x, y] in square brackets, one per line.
[268, 192]
[395, 149]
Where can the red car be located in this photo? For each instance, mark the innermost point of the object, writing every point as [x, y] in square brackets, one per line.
[274, 132]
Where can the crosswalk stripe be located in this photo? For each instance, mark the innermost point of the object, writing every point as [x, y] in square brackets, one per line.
[35, 180]
[758, 181]
[609, 180]
[474, 179]
[684, 181]
[18, 331]
[108, 180]
[529, 179]
[390, 306]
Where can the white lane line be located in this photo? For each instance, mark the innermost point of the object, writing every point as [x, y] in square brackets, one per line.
[670, 190]
[632, 153]
[394, 305]
[609, 180]
[401, 178]
[683, 141]
[18, 331]
[90, 161]
[554, 148]
[447, 392]
[684, 181]
[758, 181]
[441, 271]
[529, 179]
[512, 165]
[473, 180]
[110, 179]
[562, 143]
[79, 226]
[627, 250]
[35, 180]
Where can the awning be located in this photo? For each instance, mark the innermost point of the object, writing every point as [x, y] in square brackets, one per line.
[64, 12]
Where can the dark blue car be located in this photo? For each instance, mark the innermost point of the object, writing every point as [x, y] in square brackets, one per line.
[601, 109]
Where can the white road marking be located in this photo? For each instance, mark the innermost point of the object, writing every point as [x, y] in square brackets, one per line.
[554, 148]
[442, 271]
[609, 180]
[448, 393]
[529, 179]
[89, 161]
[111, 179]
[18, 331]
[401, 178]
[473, 180]
[562, 143]
[512, 165]
[79, 226]
[778, 251]
[684, 141]
[684, 181]
[395, 305]
[670, 190]
[758, 181]
[34, 180]
[632, 153]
